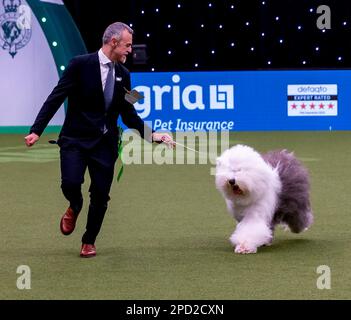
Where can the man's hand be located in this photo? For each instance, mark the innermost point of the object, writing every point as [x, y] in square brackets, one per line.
[163, 137]
[31, 139]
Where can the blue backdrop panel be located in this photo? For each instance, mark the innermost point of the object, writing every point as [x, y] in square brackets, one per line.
[246, 100]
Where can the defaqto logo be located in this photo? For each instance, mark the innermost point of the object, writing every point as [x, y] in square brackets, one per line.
[191, 97]
[313, 100]
[312, 89]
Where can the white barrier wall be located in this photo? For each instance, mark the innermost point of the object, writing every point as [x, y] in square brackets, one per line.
[28, 71]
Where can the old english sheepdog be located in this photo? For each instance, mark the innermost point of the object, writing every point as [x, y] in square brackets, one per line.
[262, 191]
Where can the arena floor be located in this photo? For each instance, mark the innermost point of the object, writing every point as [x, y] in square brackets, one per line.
[165, 235]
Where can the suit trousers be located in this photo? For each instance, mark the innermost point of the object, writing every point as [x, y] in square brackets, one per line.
[99, 158]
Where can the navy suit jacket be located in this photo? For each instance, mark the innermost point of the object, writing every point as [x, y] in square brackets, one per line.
[86, 114]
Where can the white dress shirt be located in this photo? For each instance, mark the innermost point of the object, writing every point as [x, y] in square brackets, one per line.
[104, 68]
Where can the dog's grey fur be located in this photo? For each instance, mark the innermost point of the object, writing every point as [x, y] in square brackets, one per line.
[294, 207]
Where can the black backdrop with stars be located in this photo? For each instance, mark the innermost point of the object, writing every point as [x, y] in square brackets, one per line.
[189, 35]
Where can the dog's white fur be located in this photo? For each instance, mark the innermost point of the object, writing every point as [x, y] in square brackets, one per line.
[254, 201]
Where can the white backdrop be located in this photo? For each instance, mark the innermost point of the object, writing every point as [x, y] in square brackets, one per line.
[26, 79]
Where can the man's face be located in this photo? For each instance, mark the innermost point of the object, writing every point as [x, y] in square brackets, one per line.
[122, 47]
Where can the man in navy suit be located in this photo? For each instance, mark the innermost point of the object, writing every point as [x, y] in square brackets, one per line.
[95, 86]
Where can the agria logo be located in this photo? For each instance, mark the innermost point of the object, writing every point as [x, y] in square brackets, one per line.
[191, 97]
[15, 26]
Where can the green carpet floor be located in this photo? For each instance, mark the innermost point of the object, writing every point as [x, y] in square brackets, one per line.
[165, 235]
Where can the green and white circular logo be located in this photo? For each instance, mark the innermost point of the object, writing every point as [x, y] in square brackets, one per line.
[15, 26]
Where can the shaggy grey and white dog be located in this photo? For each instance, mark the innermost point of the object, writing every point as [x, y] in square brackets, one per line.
[262, 191]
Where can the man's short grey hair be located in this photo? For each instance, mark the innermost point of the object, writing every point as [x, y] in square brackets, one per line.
[115, 30]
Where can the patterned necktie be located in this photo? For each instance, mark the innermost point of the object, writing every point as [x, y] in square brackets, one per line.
[109, 86]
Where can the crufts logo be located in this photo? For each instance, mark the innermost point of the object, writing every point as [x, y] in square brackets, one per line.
[15, 26]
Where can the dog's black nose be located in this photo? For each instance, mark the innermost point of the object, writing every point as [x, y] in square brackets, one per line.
[231, 182]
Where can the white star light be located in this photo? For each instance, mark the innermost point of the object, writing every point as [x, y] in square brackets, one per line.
[229, 43]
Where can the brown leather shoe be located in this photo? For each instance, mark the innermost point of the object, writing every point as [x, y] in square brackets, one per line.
[88, 250]
[68, 222]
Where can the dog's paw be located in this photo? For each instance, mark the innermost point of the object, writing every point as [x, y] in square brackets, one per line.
[244, 249]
